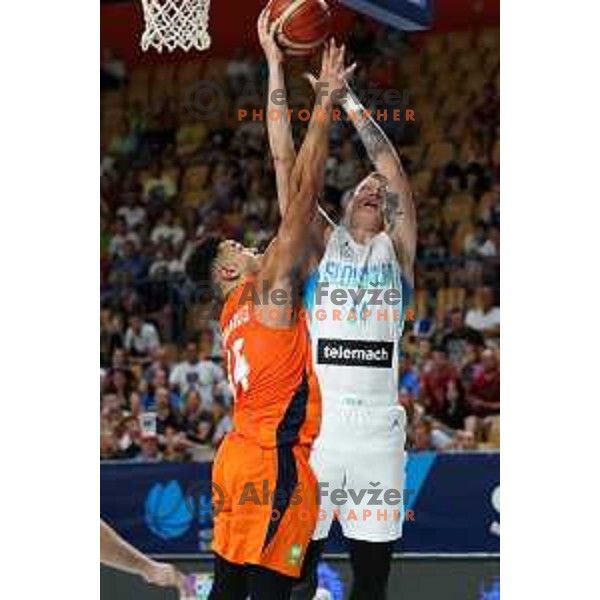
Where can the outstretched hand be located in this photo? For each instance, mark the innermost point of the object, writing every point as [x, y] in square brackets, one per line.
[166, 575]
[266, 36]
[332, 83]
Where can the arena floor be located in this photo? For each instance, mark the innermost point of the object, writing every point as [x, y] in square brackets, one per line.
[412, 578]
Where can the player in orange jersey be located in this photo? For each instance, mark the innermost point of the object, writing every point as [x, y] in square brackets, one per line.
[262, 469]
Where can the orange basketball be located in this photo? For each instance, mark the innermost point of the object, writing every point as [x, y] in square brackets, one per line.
[302, 25]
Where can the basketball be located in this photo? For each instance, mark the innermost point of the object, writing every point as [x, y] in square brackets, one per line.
[302, 25]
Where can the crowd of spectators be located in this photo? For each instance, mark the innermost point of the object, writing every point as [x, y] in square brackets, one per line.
[168, 177]
[450, 379]
[157, 407]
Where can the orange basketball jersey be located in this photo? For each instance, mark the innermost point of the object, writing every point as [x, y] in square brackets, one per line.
[277, 398]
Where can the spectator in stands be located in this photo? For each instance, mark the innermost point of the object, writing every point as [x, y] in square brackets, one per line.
[166, 415]
[111, 335]
[166, 262]
[490, 210]
[205, 427]
[121, 234]
[414, 411]
[442, 393]
[210, 342]
[409, 377]
[141, 338]
[119, 384]
[485, 315]
[192, 410]
[199, 442]
[131, 211]
[131, 436]
[119, 359]
[464, 440]
[132, 265]
[203, 376]
[423, 355]
[168, 231]
[457, 336]
[173, 444]
[491, 245]
[135, 405]
[149, 391]
[160, 362]
[484, 394]
[470, 364]
[149, 449]
[108, 446]
[479, 243]
[160, 378]
[159, 184]
[421, 436]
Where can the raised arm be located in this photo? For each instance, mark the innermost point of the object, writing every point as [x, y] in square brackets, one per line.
[296, 248]
[308, 174]
[402, 215]
[279, 129]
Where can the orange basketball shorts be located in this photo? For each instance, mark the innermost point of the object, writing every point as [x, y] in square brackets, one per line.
[266, 504]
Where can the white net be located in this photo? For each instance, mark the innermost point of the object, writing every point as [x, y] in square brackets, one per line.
[173, 24]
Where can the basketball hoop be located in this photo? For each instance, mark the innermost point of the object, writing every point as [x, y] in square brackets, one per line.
[173, 24]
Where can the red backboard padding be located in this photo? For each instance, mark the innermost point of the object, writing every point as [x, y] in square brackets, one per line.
[233, 24]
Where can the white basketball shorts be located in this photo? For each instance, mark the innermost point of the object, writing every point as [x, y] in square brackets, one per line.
[359, 462]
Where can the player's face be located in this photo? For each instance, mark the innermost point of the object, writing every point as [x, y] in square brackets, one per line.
[367, 207]
[235, 261]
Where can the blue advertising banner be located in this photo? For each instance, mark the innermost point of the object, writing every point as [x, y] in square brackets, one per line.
[165, 508]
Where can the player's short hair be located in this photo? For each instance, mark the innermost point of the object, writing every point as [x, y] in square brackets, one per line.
[378, 176]
[199, 266]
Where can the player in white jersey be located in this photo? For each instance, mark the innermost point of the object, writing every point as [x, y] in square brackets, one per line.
[356, 298]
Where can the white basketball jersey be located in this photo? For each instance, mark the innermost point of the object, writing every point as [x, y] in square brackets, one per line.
[356, 301]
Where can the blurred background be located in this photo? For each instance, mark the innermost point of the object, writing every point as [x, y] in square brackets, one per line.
[177, 163]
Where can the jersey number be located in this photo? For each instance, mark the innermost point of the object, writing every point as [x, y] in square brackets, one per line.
[239, 369]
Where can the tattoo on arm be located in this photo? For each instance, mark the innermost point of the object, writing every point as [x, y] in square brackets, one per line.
[374, 139]
[401, 215]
